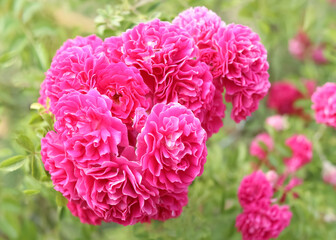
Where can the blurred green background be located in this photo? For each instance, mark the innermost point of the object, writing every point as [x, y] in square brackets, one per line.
[32, 31]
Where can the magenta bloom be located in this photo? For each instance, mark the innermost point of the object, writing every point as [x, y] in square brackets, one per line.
[89, 132]
[301, 152]
[257, 150]
[254, 189]
[324, 104]
[245, 68]
[83, 212]
[318, 55]
[127, 90]
[202, 24]
[171, 147]
[263, 222]
[90, 162]
[165, 56]
[170, 204]
[282, 97]
[73, 68]
[76, 68]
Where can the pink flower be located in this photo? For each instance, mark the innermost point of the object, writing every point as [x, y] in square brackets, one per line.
[254, 189]
[318, 55]
[83, 212]
[117, 192]
[301, 152]
[90, 134]
[299, 45]
[324, 104]
[245, 68]
[257, 150]
[165, 56]
[282, 97]
[93, 41]
[213, 115]
[170, 204]
[263, 222]
[171, 147]
[277, 122]
[127, 90]
[73, 67]
[329, 173]
[62, 171]
[90, 162]
[202, 24]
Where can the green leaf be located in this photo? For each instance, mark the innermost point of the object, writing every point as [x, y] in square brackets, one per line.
[30, 192]
[26, 143]
[61, 201]
[37, 169]
[13, 163]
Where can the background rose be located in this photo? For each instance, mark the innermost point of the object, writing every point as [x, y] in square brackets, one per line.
[324, 100]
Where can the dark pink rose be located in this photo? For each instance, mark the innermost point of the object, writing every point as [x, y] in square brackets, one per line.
[245, 68]
[83, 212]
[282, 97]
[171, 147]
[202, 24]
[301, 152]
[263, 222]
[255, 189]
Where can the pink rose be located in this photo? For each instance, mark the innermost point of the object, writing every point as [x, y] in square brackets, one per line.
[245, 68]
[318, 55]
[127, 90]
[299, 46]
[166, 57]
[282, 97]
[202, 24]
[301, 152]
[263, 222]
[83, 212]
[90, 134]
[170, 204]
[257, 150]
[277, 122]
[73, 68]
[324, 104]
[171, 147]
[254, 189]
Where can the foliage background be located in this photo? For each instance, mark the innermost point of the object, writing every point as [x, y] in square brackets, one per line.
[31, 32]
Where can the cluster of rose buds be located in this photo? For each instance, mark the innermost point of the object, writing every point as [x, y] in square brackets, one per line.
[260, 219]
[133, 112]
[301, 48]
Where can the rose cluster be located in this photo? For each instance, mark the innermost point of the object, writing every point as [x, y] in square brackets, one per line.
[260, 219]
[133, 112]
